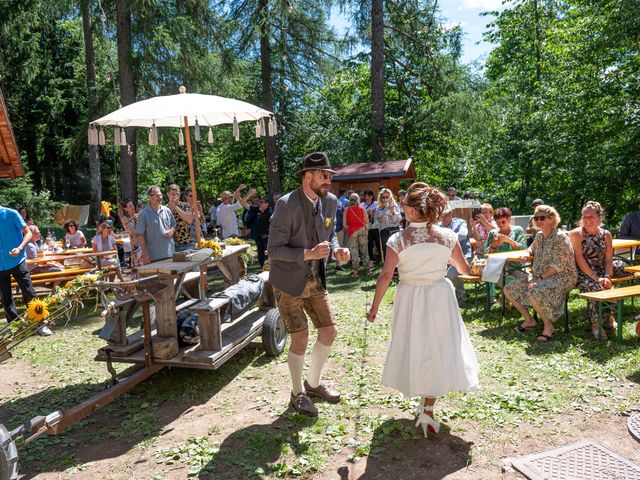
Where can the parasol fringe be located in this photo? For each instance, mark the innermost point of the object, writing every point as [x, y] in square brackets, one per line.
[236, 130]
[101, 139]
[153, 135]
[116, 137]
[91, 135]
[123, 138]
[196, 133]
[272, 127]
[258, 129]
[180, 138]
[210, 136]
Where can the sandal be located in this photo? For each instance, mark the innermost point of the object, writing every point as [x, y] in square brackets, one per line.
[542, 338]
[355, 274]
[523, 329]
[425, 420]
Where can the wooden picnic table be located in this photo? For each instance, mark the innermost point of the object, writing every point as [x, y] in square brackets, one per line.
[622, 243]
[64, 257]
[633, 269]
[614, 296]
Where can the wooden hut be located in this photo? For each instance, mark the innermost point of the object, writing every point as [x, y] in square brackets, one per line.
[372, 175]
[10, 166]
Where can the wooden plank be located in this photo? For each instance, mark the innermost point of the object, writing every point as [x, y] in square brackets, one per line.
[209, 304]
[166, 311]
[613, 295]
[470, 278]
[633, 269]
[623, 243]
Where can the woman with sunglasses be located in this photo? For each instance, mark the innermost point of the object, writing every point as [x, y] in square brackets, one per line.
[388, 218]
[73, 237]
[553, 275]
[593, 250]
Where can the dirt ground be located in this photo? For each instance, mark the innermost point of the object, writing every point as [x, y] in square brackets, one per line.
[466, 452]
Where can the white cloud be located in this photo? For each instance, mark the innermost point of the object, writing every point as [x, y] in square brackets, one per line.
[483, 4]
[451, 25]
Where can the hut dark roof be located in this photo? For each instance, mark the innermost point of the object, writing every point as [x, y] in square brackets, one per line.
[10, 166]
[373, 170]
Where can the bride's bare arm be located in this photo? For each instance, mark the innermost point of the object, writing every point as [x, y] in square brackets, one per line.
[458, 260]
[384, 279]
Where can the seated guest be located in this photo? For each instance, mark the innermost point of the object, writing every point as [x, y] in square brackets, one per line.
[553, 275]
[593, 250]
[105, 241]
[262, 228]
[31, 250]
[506, 237]
[459, 226]
[481, 225]
[73, 237]
[356, 224]
[388, 218]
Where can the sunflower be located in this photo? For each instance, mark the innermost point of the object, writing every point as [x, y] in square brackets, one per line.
[37, 310]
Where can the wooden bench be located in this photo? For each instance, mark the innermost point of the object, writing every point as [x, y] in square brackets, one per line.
[211, 313]
[614, 296]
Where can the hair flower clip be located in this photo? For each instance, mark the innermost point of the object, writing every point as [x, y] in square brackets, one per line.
[327, 222]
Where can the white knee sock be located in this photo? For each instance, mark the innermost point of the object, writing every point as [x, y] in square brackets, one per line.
[319, 356]
[296, 365]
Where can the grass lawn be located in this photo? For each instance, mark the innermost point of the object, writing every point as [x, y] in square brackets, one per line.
[234, 422]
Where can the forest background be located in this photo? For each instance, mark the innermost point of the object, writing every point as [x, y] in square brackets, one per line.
[554, 112]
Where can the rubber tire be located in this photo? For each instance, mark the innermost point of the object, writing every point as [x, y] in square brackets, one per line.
[274, 333]
[8, 456]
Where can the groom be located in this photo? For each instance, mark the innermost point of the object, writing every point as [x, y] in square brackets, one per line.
[301, 238]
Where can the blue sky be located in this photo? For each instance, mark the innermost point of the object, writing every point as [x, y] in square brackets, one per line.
[466, 13]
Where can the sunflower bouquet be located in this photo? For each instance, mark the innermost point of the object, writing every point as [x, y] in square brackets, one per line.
[45, 311]
[213, 245]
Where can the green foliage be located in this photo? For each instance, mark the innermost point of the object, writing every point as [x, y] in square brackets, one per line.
[20, 193]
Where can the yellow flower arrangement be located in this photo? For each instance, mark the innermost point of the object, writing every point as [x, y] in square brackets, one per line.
[215, 246]
[37, 310]
[235, 241]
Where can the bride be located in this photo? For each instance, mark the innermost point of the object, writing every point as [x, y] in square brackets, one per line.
[430, 353]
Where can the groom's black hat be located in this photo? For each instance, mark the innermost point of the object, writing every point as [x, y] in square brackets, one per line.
[315, 161]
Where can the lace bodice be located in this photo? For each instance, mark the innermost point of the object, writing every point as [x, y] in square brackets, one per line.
[423, 252]
[417, 233]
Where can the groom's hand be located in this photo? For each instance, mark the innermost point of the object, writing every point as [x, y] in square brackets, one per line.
[319, 252]
[342, 254]
[371, 315]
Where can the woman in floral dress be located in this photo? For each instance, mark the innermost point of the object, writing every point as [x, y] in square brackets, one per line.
[553, 275]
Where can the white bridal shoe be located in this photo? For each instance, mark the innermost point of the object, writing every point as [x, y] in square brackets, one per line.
[425, 421]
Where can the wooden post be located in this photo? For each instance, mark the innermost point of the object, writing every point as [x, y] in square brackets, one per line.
[194, 206]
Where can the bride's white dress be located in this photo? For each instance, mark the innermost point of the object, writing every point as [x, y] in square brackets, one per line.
[430, 353]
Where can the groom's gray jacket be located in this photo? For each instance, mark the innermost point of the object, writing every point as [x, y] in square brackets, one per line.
[295, 226]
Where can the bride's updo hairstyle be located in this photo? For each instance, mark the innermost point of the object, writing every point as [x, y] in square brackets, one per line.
[429, 202]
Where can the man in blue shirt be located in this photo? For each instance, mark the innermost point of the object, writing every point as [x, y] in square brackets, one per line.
[459, 226]
[14, 236]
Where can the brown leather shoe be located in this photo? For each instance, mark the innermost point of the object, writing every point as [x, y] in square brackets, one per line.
[322, 391]
[301, 403]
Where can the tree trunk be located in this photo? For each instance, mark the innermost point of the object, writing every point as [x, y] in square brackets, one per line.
[377, 80]
[271, 148]
[128, 160]
[95, 183]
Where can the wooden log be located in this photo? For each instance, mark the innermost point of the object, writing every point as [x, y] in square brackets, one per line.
[166, 310]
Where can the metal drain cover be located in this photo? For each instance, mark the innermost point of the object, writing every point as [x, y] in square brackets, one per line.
[583, 460]
[634, 426]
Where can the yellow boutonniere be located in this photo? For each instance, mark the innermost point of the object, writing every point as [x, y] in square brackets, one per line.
[327, 222]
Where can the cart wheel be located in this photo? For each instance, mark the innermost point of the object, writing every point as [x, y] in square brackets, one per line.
[274, 334]
[8, 456]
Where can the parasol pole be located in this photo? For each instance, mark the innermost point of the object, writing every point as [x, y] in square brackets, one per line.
[195, 211]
